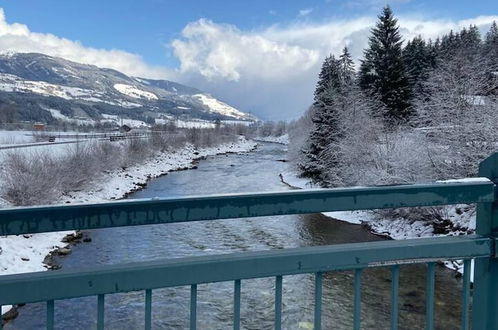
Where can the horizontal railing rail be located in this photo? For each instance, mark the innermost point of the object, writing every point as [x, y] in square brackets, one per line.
[192, 271]
[64, 284]
[27, 220]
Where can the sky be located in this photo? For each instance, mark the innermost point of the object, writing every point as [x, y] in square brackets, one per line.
[261, 56]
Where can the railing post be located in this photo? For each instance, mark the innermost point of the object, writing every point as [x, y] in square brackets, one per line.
[485, 298]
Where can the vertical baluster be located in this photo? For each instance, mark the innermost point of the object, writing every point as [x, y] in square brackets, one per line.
[357, 299]
[318, 301]
[100, 312]
[465, 294]
[429, 314]
[148, 309]
[394, 296]
[236, 305]
[50, 315]
[278, 303]
[193, 306]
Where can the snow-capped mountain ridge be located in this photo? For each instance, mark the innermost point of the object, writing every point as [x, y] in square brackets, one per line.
[37, 82]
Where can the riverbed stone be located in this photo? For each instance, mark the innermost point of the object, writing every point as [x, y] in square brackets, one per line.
[64, 251]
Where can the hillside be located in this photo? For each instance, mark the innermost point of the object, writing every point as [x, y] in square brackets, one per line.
[50, 89]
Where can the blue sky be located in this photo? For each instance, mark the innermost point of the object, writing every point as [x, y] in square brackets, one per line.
[147, 27]
[232, 49]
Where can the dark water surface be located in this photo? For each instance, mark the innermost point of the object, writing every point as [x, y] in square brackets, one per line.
[255, 171]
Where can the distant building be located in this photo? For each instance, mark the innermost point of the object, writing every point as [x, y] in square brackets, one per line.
[124, 129]
[39, 127]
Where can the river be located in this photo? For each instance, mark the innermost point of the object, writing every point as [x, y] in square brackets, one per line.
[249, 172]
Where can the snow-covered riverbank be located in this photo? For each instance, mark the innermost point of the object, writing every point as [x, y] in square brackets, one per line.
[27, 253]
[282, 139]
[461, 218]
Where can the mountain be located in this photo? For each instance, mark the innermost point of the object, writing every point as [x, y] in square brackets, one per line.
[51, 89]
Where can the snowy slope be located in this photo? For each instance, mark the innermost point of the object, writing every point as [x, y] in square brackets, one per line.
[219, 107]
[36, 82]
[12, 83]
[134, 92]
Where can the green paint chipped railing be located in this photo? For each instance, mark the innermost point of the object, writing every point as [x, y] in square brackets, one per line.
[192, 271]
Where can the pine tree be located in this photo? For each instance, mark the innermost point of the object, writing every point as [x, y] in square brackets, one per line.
[418, 59]
[490, 47]
[449, 45]
[470, 41]
[382, 72]
[335, 80]
[322, 118]
[346, 70]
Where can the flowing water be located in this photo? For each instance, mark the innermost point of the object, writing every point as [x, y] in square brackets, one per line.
[250, 172]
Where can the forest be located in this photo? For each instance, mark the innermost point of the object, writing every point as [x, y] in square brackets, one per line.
[413, 111]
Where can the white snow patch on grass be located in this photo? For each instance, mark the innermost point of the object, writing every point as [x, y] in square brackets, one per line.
[282, 139]
[114, 119]
[15, 137]
[134, 92]
[216, 106]
[12, 83]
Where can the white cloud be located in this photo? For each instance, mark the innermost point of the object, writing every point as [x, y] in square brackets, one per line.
[371, 4]
[304, 12]
[223, 51]
[18, 38]
[272, 71]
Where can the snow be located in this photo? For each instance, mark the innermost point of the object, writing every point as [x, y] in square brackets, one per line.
[186, 123]
[474, 99]
[134, 92]
[237, 122]
[291, 179]
[12, 83]
[79, 121]
[145, 82]
[465, 180]
[461, 216]
[356, 217]
[216, 106]
[113, 185]
[26, 253]
[198, 123]
[117, 184]
[282, 139]
[133, 123]
[15, 137]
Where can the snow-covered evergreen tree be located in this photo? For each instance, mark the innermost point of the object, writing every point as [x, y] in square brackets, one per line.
[470, 41]
[335, 80]
[322, 118]
[346, 70]
[490, 47]
[382, 72]
[419, 60]
[449, 45]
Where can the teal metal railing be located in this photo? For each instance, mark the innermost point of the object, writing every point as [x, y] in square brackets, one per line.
[192, 271]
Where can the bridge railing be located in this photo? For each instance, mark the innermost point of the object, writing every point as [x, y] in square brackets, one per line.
[100, 281]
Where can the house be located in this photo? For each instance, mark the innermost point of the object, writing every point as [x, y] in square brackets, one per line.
[39, 127]
[124, 128]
